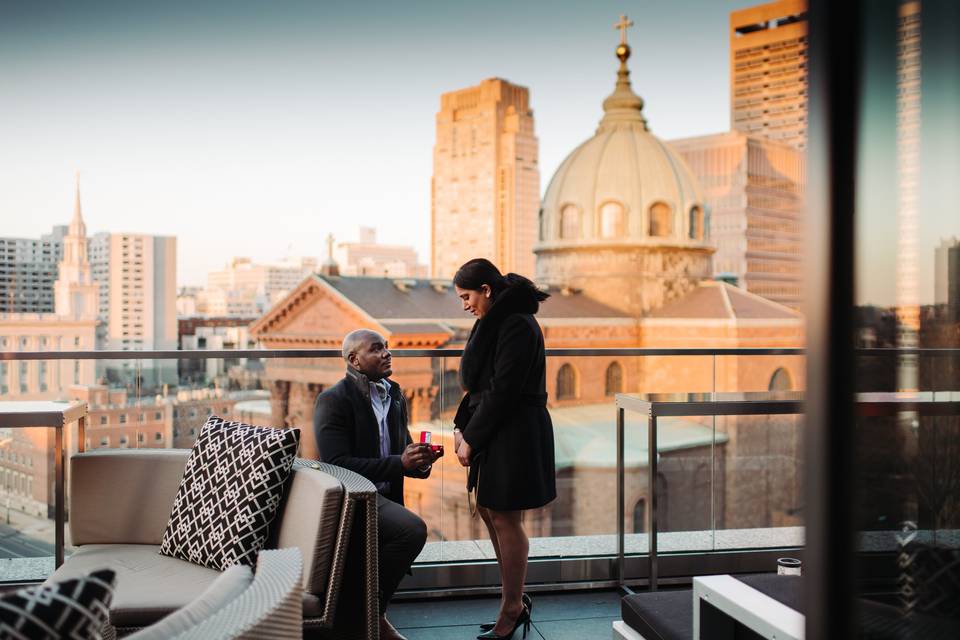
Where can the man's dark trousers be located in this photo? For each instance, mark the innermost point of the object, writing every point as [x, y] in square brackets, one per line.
[401, 534]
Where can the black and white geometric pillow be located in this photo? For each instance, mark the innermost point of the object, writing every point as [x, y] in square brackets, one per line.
[230, 492]
[76, 608]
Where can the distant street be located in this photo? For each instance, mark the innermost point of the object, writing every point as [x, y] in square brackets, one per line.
[14, 544]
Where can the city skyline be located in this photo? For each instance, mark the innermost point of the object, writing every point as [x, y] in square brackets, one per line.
[217, 128]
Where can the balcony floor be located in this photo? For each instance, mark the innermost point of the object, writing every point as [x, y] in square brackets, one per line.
[556, 616]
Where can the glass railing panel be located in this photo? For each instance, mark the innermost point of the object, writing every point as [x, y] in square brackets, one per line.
[759, 483]
[27, 502]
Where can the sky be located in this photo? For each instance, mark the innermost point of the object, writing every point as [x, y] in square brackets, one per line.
[252, 128]
[257, 128]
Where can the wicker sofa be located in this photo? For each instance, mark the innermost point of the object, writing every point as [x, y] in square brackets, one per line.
[120, 501]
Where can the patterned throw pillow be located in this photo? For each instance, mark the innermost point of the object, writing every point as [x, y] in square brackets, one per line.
[230, 493]
[75, 609]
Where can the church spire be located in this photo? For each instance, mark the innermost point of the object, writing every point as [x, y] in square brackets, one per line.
[77, 227]
[623, 105]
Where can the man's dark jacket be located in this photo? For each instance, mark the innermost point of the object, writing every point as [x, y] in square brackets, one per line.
[348, 434]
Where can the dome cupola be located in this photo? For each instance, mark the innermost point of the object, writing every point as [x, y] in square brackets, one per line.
[623, 194]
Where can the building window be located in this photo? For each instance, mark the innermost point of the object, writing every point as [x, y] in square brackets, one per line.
[140, 437]
[566, 382]
[105, 441]
[123, 418]
[157, 416]
[696, 222]
[4, 389]
[780, 380]
[614, 379]
[158, 436]
[611, 220]
[42, 375]
[123, 441]
[640, 516]
[103, 419]
[76, 372]
[569, 222]
[660, 220]
[23, 376]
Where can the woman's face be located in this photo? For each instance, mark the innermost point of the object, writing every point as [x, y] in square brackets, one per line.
[476, 301]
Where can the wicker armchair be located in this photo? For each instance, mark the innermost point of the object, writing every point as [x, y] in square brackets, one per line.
[120, 501]
[271, 607]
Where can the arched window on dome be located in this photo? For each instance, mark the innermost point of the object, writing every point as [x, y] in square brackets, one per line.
[611, 220]
[696, 222]
[541, 219]
[780, 381]
[569, 222]
[614, 379]
[566, 382]
[661, 218]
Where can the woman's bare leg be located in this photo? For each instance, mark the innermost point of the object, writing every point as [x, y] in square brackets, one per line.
[485, 516]
[514, 549]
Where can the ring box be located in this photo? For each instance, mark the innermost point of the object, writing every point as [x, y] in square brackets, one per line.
[425, 438]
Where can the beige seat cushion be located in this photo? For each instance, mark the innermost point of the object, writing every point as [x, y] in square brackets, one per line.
[224, 590]
[148, 586]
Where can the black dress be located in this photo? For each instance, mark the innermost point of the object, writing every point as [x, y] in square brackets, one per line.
[504, 415]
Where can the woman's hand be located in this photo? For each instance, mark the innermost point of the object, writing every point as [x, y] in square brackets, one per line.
[457, 439]
[463, 452]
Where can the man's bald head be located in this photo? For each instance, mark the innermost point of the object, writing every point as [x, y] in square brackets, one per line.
[367, 351]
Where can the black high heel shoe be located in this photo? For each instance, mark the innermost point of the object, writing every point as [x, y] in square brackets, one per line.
[523, 620]
[527, 602]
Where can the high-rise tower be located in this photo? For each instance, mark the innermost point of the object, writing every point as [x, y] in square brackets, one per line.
[768, 71]
[486, 179]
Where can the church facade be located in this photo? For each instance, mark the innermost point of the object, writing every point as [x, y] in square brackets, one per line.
[623, 250]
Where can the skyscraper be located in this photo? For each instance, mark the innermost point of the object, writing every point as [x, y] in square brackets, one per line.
[28, 269]
[768, 71]
[753, 192]
[486, 179]
[941, 276]
[137, 278]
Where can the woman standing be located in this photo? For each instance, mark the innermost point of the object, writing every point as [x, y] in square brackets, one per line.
[502, 429]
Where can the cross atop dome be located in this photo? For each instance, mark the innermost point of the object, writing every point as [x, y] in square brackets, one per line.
[624, 24]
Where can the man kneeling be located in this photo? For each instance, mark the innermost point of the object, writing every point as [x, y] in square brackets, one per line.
[361, 425]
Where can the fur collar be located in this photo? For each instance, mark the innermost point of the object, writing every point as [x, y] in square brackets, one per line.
[483, 336]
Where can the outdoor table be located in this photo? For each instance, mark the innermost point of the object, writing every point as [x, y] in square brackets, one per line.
[23, 414]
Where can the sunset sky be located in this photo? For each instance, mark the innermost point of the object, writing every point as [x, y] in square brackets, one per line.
[255, 128]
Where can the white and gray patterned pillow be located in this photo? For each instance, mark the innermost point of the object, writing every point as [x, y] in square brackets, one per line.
[76, 609]
[230, 493]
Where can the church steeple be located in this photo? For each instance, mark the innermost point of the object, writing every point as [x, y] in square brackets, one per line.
[77, 226]
[75, 293]
[623, 105]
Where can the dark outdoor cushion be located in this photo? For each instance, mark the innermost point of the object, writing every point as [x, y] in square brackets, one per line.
[76, 609]
[660, 615]
[230, 493]
[787, 590]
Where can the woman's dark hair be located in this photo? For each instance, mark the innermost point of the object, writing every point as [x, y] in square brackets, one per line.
[480, 271]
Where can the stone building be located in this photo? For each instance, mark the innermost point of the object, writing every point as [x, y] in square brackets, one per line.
[623, 218]
[624, 252]
[486, 179]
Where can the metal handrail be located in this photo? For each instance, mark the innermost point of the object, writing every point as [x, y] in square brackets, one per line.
[200, 354]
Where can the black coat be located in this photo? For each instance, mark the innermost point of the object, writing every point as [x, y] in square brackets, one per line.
[348, 434]
[504, 415]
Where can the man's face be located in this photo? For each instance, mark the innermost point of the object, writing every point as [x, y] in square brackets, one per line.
[372, 358]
